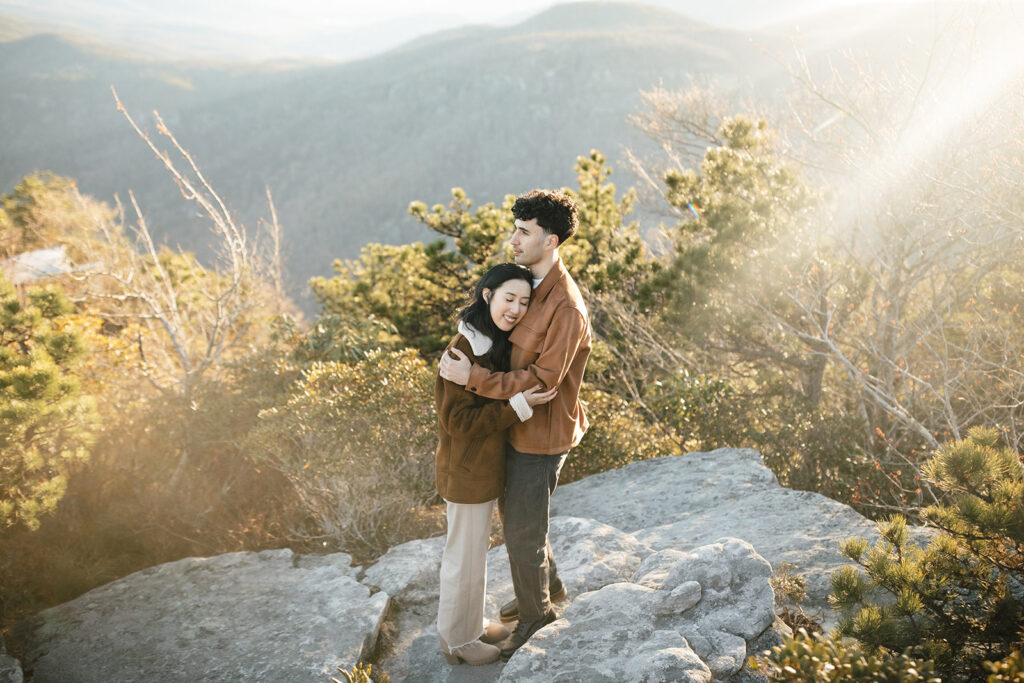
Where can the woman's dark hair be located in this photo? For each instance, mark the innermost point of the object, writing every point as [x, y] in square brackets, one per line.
[478, 312]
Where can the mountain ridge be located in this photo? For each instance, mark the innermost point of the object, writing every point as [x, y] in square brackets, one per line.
[346, 147]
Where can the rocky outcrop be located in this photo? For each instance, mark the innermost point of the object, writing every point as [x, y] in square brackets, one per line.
[590, 556]
[269, 616]
[10, 669]
[681, 617]
[627, 526]
[627, 600]
[683, 502]
[666, 562]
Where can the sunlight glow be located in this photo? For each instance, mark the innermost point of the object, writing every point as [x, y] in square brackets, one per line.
[954, 102]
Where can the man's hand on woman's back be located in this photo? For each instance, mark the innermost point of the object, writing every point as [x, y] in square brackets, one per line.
[456, 369]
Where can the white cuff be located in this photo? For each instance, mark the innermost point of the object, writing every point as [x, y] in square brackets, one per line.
[522, 408]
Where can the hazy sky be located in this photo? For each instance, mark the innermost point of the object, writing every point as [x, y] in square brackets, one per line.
[329, 29]
[260, 28]
[278, 15]
[369, 12]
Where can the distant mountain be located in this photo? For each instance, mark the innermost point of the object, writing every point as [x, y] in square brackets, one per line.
[233, 30]
[345, 148]
[196, 29]
[13, 29]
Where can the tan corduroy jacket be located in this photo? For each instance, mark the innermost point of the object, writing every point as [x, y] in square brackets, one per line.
[550, 346]
[469, 465]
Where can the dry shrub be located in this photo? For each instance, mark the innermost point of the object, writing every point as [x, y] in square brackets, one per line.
[356, 441]
[118, 515]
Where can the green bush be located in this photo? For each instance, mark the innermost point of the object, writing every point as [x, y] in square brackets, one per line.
[808, 448]
[814, 449]
[618, 435]
[704, 411]
[817, 658]
[356, 441]
[338, 338]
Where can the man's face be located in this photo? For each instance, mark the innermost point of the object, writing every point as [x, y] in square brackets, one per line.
[529, 242]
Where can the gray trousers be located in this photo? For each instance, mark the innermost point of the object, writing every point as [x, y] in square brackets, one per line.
[525, 508]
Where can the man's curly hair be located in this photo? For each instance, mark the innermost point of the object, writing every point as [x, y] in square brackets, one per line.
[555, 212]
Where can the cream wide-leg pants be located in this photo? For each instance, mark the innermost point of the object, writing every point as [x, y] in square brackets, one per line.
[460, 614]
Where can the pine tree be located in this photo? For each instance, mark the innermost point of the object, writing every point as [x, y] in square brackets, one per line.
[959, 599]
[605, 254]
[417, 288]
[46, 424]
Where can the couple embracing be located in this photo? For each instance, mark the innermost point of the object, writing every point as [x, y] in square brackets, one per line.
[508, 409]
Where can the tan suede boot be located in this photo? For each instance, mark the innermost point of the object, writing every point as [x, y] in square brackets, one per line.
[475, 653]
[494, 632]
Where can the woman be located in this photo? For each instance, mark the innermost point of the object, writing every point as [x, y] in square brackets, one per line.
[470, 462]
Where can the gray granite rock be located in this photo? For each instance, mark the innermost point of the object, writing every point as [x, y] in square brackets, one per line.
[655, 593]
[683, 617]
[590, 555]
[682, 502]
[235, 617]
[410, 572]
[10, 669]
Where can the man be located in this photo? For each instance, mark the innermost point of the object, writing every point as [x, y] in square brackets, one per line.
[550, 346]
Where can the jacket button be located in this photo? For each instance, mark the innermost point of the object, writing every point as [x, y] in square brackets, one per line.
[472, 388]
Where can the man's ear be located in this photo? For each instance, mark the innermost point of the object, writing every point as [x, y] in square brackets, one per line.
[551, 241]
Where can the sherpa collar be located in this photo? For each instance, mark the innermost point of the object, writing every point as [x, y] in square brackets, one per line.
[479, 341]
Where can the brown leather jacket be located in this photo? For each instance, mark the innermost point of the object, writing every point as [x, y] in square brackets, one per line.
[469, 465]
[550, 346]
